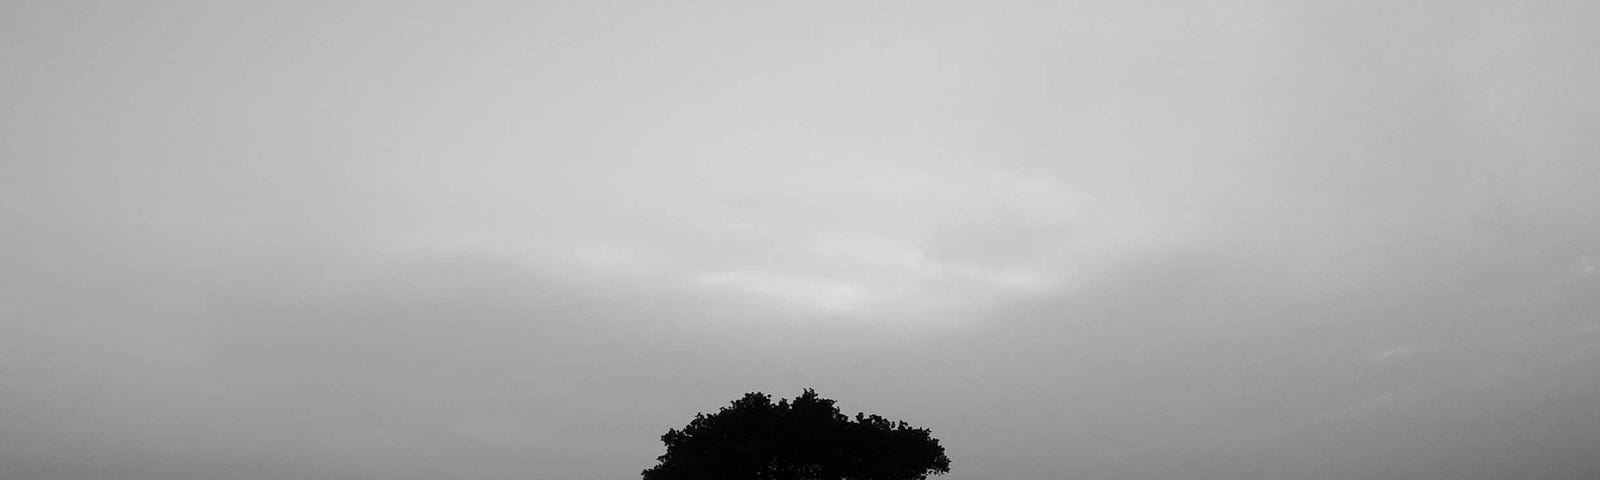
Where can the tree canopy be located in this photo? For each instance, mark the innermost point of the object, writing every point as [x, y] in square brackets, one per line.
[807, 439]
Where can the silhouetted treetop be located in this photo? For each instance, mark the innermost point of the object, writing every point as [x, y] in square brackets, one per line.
[807, 439]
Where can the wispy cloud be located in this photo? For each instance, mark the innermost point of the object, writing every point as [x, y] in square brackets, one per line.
[1394, 354]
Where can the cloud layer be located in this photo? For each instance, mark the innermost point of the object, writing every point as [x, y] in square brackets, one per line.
[1087, 239]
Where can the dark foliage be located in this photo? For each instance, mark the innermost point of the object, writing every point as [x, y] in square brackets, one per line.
[808, 439]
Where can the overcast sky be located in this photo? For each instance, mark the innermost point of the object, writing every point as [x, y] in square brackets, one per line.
[1229, 240]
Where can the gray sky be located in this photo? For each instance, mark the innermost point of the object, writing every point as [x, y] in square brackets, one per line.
[491, 240]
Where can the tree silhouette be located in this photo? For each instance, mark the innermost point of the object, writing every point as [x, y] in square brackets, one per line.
[808, 439]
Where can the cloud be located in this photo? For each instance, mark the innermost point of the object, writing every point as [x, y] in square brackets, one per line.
[845, 235]
[1394, 354]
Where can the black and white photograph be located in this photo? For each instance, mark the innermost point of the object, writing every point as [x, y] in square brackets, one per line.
[800, 240]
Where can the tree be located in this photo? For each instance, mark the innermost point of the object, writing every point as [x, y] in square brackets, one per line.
[807, 439]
